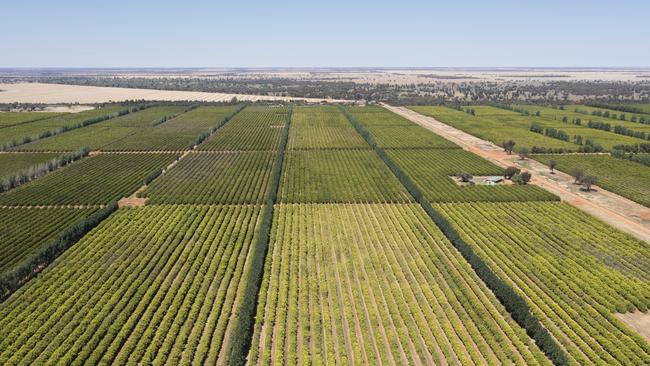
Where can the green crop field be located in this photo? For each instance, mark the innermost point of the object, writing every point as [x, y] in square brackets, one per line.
[267, 234]
[16, 118]
[376, 285]
[609, 115]
[432, 170]
[392, 131]
[573, 270]
[32, 129]
[627, 178]
[338, 176]
[378, 116]
[498, 125]
[154, 285]
[215, 177]
[552, 117]
[643, 107]
[26, 230]
[322, 128]
[495, 128]
[254, 128]
[94, 180]
[99, 135]
[546, 120]
[13, 163]
[175, 134]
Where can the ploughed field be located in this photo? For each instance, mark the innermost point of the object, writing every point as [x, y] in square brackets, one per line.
[273, 234]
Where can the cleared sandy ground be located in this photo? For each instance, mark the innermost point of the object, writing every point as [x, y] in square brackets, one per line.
[618, 211]
[638, 321]
[58, 93]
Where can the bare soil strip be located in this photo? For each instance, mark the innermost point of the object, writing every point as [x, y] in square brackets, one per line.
[638, 321]
[617, 211]
[59, 93]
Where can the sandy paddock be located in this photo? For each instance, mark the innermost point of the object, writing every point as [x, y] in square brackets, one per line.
[58, 93]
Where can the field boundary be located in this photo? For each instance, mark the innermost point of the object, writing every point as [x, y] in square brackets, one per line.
[134, 200]
[617, 211]
[241, 337]
[28, 269]
[514, 304]
[31, 120]
[89, 122]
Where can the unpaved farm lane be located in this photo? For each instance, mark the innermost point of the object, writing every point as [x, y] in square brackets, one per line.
[618, 211]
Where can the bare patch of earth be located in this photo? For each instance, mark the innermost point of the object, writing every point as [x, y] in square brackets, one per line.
[638, 321]
[481, 180]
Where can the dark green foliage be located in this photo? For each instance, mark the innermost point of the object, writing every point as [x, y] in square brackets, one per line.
[622, 130]
[556, 134]
[509, 107]
[203, 136]
[521, 178]
[587, 181]
[599, 125]
[508, 146]
[464, 177]
[523, 153]
[622, 108]
[638, 158]
[591, 146]
[534, 127]
[152, 176]
[34, 172]
[510, 172]
[11, 281]
[642, 148]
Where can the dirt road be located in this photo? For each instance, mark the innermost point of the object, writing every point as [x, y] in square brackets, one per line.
[620, 212]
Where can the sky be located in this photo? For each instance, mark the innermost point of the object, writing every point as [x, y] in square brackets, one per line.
[407, 33]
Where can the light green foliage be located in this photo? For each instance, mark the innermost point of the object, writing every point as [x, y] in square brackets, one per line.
[376, 284]
[627, 178]
[38, 126]
[175, 134]
[614, 116]
[552, 117]
[254, 128]
[323, 127]
[432, 170]
[16, 118]
[338, 176]
[495, 125]
[215, 177]
[100, 135]
[392, 131]
[151, 285]
[573, 270]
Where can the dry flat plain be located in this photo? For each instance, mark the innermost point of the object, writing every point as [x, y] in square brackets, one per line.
[59, 93]
[278, 234]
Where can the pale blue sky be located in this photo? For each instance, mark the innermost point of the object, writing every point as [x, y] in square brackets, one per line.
[407, 33]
